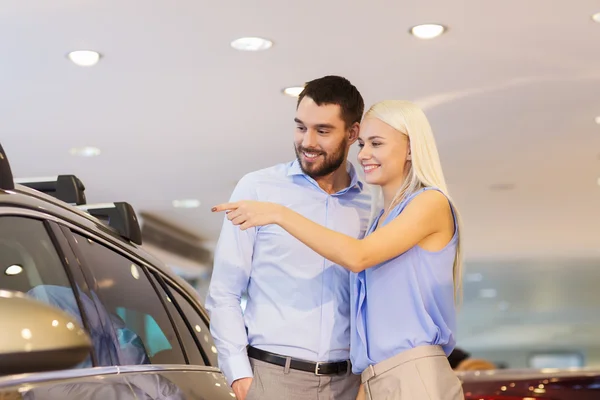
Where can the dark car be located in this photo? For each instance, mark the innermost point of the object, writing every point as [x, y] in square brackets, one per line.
[148, 334]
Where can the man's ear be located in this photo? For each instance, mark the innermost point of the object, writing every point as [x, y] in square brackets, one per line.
[353, 133]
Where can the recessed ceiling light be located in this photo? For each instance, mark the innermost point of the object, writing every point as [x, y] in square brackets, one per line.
[596, 17]
[251, 44]
[597, 119]
[84, 58]
[487, 293]
[186, 203]
[427, 31]
[13, 270]
[293, 91]
[134, 272]
[86, 151]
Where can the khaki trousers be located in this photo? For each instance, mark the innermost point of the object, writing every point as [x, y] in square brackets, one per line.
[421, 373]
[272, 382]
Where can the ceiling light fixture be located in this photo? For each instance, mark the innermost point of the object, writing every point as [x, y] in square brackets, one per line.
[186, 203]
[427, 31]
[86, 151]
[596, 17]
[503, 305]
[597, 119]
[598, 181]
[293, 91]
[134, 272]
[84, 58]
[251, 44]
[13, 270]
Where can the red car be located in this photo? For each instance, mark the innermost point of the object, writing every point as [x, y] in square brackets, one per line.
[544, 384]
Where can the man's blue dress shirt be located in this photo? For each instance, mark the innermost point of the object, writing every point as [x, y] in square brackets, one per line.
[298, 302]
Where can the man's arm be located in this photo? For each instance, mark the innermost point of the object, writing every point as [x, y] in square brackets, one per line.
[230, 276]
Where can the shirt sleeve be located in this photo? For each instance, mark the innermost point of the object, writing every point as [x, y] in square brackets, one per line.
[230, 276]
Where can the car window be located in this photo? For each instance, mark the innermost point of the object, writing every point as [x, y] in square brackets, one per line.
[183, 327]
[200, 328]
[140, 321]
[30, 264]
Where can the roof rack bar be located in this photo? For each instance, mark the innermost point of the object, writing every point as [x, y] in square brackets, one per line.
[120, 216]
[6, 177]
[67, 188]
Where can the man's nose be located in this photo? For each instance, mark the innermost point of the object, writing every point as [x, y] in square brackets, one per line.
[310, 139]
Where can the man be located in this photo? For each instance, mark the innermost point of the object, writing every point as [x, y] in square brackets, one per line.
[293, 340]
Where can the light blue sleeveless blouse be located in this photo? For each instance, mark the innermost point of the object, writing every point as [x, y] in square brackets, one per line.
[403, 303]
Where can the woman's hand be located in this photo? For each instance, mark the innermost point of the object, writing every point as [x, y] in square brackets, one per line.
[249, 213]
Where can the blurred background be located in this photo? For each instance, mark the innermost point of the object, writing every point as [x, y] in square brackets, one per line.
[171, 103]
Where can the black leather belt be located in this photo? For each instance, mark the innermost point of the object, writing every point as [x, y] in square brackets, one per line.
[318, 368]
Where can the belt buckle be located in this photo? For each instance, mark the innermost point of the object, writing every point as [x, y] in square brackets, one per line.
[317, 366]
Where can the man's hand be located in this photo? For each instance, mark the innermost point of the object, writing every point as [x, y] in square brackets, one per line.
[240, 387]
[361, 393]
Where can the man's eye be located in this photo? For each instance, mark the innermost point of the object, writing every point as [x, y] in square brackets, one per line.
[301, 128]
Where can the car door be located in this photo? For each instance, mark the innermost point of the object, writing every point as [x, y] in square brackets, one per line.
[32, 262]
[138, 351]
[35, 261]
[196, 320]
[156, 348]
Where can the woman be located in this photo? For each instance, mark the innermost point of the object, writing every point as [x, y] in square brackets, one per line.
[406, 272]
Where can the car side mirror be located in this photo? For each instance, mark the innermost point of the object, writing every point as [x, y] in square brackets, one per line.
[37, 337]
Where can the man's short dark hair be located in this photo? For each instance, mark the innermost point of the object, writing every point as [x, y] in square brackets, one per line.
[336, 90]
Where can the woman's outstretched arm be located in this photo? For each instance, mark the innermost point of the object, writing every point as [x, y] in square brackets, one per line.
[423, 216]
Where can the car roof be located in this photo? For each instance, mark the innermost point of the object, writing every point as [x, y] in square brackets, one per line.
[27, 198]
[121, 234]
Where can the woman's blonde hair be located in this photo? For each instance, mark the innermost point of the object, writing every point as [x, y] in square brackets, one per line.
[425, 169]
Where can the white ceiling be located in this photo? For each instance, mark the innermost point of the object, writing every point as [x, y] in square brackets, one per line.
[511, 90]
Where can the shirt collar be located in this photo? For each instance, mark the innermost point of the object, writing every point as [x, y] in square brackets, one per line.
[355, 183]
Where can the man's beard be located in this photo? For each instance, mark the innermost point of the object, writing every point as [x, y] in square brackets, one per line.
[328, 164]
